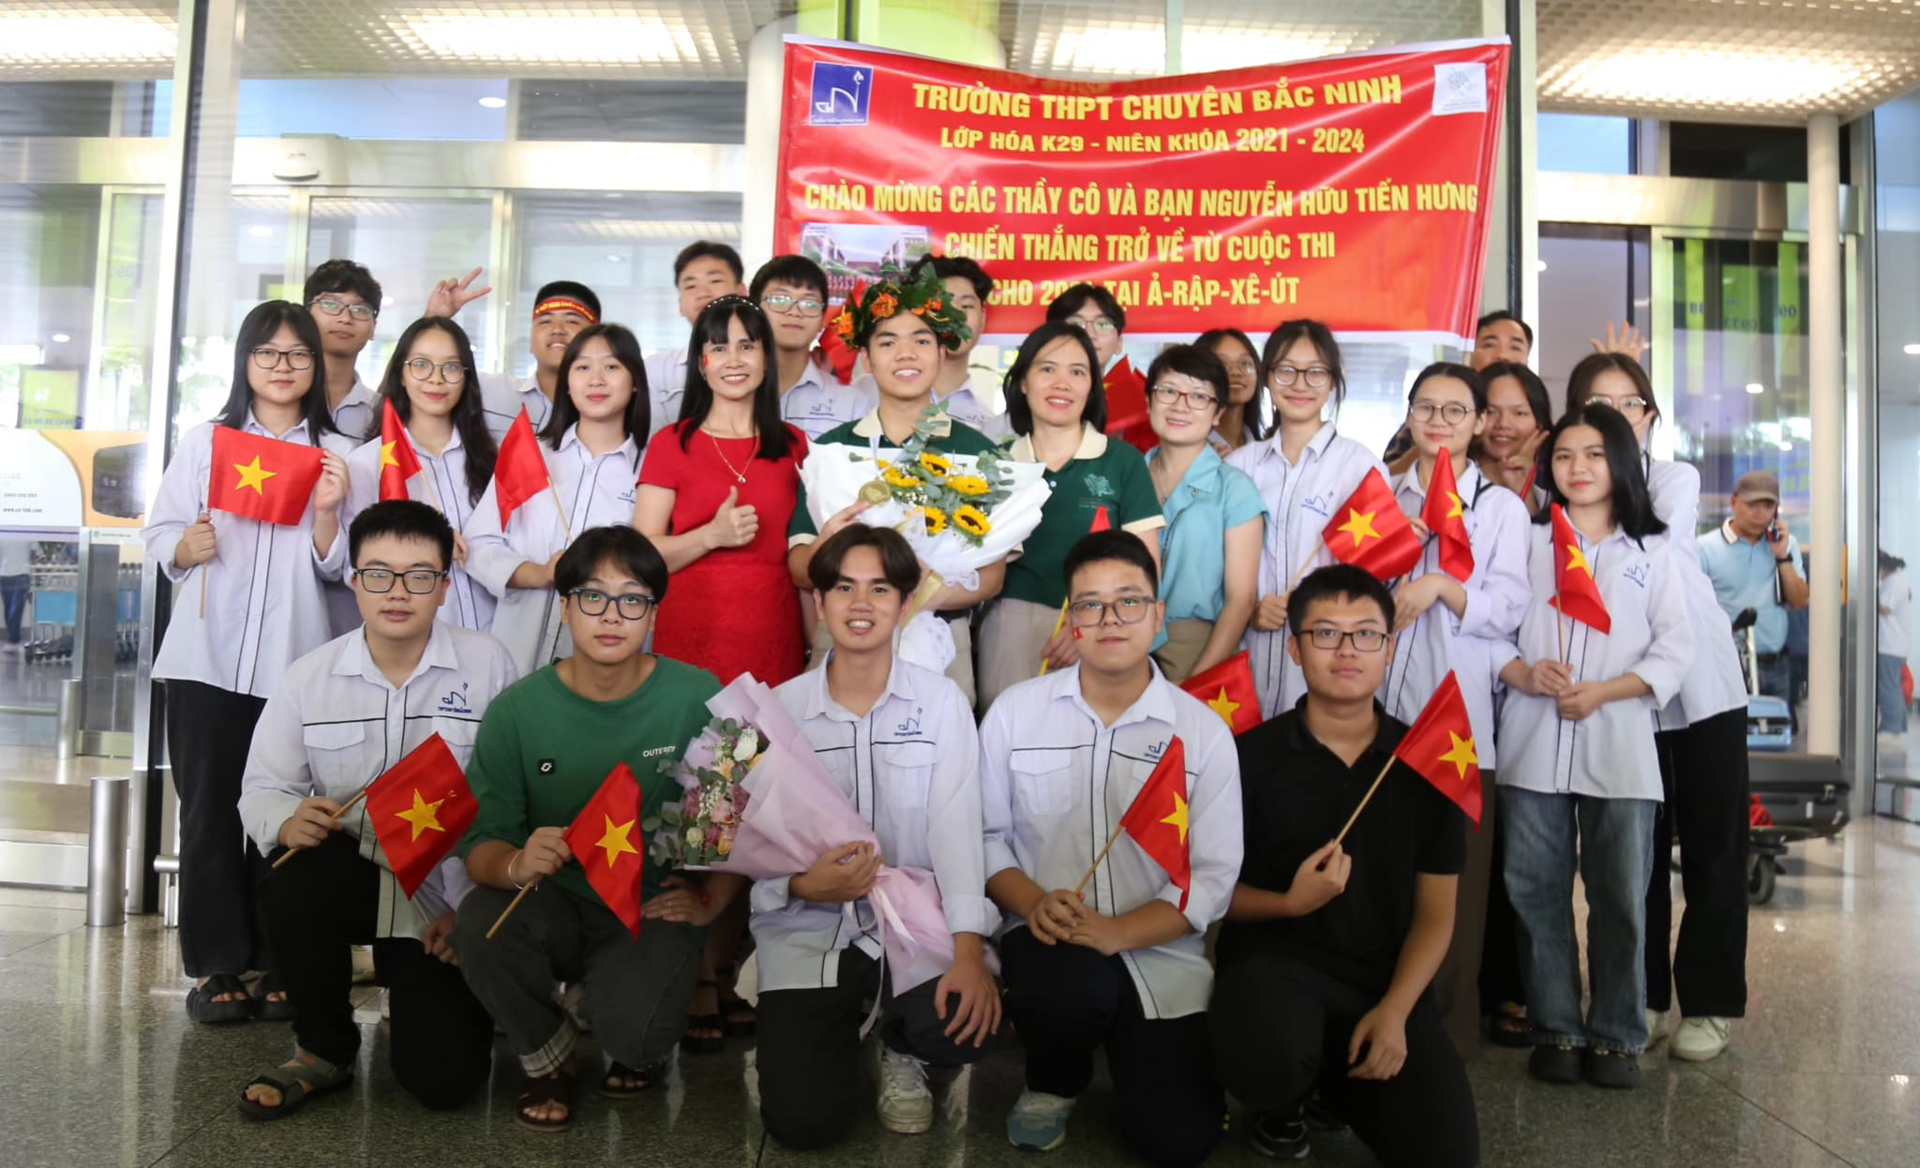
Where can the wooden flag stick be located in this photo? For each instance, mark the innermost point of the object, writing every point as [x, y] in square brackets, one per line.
[1088, 878]
[433, 496]
[508, 911]
[1060, 622]
[1560, 627]
[1305, 568]
[1377, 779]
[561, 509]
[205, 516]
[349, 805]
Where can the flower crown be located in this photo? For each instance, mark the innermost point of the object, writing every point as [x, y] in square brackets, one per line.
[925, 297]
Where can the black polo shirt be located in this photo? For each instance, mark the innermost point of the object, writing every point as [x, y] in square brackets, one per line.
[1296, 794]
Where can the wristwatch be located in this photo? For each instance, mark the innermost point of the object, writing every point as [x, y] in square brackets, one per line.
[1783, 559]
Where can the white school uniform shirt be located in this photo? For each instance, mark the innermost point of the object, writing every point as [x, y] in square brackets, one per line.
[336, 723]
[1714, 683]
[1895, 626]
[1055, 783]
[502, 398]
[469, 604]
[818, 402]
[266, 604]
[1497, 595]
[596, 492]
[354, 415]
[1300, 499]
[975, 404]
[666, 386]
[1610, 754]
[911, 767]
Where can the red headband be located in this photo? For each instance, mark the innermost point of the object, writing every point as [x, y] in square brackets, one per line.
[565, 304]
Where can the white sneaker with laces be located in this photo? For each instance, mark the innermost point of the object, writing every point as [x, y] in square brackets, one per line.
[1699, 1039]
[906, 1102]
[1657, 1027]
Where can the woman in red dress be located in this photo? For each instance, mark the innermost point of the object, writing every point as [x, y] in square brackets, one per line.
[716, 492]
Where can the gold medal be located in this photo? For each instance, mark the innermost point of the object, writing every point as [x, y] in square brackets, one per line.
[875, 493]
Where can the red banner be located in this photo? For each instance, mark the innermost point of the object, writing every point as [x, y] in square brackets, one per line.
[1356, 190]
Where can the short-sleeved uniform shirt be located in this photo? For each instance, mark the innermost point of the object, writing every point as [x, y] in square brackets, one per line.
[1100, 474]
[1295, 794]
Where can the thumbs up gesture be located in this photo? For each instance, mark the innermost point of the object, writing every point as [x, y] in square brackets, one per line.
[732, 525]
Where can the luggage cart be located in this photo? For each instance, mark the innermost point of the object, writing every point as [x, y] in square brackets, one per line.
[56, 607]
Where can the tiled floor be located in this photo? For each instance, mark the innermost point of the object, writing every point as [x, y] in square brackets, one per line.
[100, 1066]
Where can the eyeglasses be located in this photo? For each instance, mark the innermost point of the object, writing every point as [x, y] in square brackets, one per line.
[1625, 405]
[332, 307]
[421, 369]
[1453, 413]
[1318, 376]
[1128, 610]
[379, 581]
[632, 606]
[1097, 324]
[779, 303]
[1249, 367]
[268, 357]
[1364, 640]
[1167, 395]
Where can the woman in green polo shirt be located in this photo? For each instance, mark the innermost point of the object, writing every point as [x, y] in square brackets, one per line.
[1059, 410]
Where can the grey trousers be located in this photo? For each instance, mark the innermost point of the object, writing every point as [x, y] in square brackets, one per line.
[636, 990]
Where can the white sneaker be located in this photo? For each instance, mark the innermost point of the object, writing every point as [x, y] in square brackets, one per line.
[1699, 1039]
[906, 1102]
[1657, 1027]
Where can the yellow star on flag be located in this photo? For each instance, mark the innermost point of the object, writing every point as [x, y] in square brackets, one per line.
[386, 454]
[1224, 707]
[617, 840]
[1462, 755]
[1179, 817]
[424, 816]
[1360, 526]
[1577, 559]
[252, 475]
[1459, 508]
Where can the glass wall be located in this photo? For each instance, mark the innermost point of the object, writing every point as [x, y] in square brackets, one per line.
[1897, 267]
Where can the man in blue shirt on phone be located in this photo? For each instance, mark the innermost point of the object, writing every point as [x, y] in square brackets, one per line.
[1753, 562]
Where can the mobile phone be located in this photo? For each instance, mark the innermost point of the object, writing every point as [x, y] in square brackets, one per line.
[1774, 532]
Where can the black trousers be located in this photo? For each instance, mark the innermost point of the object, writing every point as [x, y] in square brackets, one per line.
[319, 905]
[1067, 1001]
[809, 1049]
[1281, 1028]
[1500, 948]
[208, 732]
[1704, 771]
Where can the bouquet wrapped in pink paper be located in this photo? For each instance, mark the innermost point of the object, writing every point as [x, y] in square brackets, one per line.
[786, 811]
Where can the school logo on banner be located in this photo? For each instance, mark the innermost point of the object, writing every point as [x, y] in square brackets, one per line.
[840, 95]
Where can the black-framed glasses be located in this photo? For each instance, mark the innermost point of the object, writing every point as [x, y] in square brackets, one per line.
[1195, 399]
[1625, 405]
[631, 606]
[1364, 640]
[379, 581]
[805, 307]
[268, 357]
[1247, 365]
[1128, 610]
[333, 307]
[1452, 413]
[1096, 324]
[421, 369]
[1318, 376]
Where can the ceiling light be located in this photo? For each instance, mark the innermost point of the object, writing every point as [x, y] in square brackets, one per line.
[549, 38]
[51, 36]
[616, 259]
[61, 338]
[1755, 387]
[1713, 78]
[1539, 265]
[1912, 350]
[492, 102]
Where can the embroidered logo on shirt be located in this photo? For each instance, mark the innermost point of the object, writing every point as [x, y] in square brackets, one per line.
[544, 766]
[1318, 504]
[1153, 752]
[912, 725]
[1099, 487]
[456, 702]
[626, 496]
[1638, 574]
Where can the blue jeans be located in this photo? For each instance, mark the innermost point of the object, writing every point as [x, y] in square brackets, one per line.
[1612, 842]
[13, 602]
[1893, 703]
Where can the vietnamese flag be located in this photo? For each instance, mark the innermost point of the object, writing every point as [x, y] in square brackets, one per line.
[1439, 745]
[1229, 690]
[1127, 406]
[398, 462]
[605, 839]
[1445, 514]
[1370, 532]
[520, 472]
[419, 810]
[1158, 820]
[1576, 592]
[261, 478]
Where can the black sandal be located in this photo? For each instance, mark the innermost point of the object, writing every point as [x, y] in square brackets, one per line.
[704, 1043]
[201, 1006]
[1512, 1029]
[740, 1017]
[299, 1079]
[536, 1091]
[614, 1084]
[268, 1009]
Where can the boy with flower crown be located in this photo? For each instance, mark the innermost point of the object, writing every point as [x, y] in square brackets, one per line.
[906, 330]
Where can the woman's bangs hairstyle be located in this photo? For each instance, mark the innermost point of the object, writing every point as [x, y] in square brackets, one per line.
[1538, 402]
[1462, 373]
[710, 328]
[1580, 381]
[626, 350]
[1321, 338]
[1019, 413]
[257, 330]
[469, 414]
[1632, 501]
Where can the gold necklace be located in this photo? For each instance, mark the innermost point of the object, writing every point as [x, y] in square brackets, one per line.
[739, 475]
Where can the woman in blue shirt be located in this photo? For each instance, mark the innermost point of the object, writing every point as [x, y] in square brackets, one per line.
[1210, 547]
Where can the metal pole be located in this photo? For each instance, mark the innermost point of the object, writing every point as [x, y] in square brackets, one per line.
[107, 853]
[1829, 398]
[67, 728]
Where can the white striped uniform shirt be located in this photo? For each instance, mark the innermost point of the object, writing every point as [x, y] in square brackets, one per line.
[469, 604]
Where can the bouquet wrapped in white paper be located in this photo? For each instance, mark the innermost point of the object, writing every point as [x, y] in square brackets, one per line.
[960, 512]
